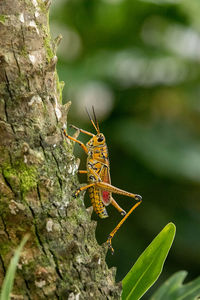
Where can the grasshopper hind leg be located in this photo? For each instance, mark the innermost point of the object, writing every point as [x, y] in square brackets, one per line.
[116, 205]
[111, 235]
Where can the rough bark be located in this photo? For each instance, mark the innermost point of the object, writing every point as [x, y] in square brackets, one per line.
[62, 259]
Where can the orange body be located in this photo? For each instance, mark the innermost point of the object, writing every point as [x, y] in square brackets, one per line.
[98, 169]
[98, 174]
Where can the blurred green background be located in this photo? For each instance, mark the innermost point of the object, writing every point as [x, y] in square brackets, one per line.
[138, 63]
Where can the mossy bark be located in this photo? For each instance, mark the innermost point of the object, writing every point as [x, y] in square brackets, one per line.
[61, 259]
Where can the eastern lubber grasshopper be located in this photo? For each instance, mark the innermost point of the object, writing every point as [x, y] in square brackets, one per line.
[98, 174]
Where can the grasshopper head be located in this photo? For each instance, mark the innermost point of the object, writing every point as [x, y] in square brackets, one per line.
[99, 139]
[96, 140]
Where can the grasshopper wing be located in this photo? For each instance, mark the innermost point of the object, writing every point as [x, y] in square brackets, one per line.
[105, 177]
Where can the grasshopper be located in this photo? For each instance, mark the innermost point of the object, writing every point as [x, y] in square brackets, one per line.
[98, 175]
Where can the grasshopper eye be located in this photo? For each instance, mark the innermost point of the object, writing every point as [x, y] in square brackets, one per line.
[100, 139]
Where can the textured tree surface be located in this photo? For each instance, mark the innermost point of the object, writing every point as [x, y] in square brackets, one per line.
[61, 259]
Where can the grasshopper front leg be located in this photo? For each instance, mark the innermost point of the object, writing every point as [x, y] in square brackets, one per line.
[77, 141]
[82, 130]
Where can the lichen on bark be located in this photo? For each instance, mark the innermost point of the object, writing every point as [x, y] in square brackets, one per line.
[61, 259]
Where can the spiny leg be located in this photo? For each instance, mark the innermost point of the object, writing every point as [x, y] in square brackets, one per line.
[77, 141]
[111, 235]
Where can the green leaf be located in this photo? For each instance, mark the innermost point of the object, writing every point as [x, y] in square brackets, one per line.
[149, 265]
[173, 288]
[10, 274]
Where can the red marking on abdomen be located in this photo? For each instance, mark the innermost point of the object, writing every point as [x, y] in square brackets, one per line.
[106, 197]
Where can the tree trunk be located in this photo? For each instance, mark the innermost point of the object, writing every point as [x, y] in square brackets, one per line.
[61, 259]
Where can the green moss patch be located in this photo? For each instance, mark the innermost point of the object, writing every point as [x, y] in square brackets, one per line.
[2, 19]
[21, 176]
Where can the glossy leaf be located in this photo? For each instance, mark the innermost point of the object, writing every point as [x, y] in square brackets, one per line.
[10, 274]
[173, 288]
[149, 265]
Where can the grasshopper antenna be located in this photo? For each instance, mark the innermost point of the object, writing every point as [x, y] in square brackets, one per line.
[95, 119]
[92, 120]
